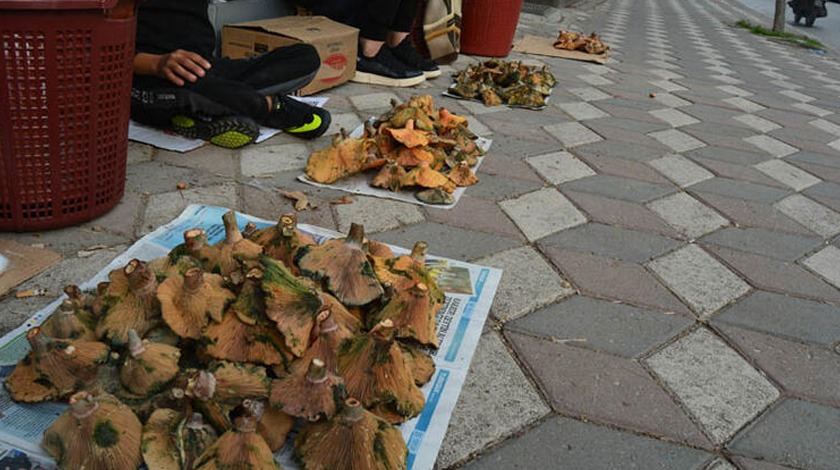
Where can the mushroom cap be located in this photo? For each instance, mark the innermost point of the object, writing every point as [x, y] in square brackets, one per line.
[235, 381]
[311, 394]
[188, 302]
[151, 368]
[421, 364]
[97, 432]
[239, 448]
[172, 441]
[291, 303]
[129, 302]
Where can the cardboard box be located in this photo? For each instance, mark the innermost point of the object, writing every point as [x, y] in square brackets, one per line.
[221, 13]
[336, 44]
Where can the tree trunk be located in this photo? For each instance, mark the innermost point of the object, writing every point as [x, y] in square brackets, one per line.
[779, 16]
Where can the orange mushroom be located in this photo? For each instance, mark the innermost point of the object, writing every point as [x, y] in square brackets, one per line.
[188, 302]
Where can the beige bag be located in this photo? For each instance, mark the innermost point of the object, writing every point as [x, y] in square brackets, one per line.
[442, 29]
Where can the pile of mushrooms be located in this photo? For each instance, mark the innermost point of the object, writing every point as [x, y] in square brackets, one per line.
[207, 358]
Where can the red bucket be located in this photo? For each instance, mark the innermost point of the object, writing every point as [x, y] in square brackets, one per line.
[488, 26]
[65, 88]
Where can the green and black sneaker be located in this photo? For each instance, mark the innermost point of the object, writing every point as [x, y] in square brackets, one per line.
[298, 118]
[230, 132]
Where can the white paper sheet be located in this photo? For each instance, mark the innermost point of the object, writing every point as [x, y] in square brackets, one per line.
[459, 322]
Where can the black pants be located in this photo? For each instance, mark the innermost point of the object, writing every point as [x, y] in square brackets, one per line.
[374, 18]
[231, 86]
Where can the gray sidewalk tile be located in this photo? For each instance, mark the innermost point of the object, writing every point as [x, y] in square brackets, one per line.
[528, 283]
[448, 241]
[752, 214]
[673, 117]
[720, 464]
[803, 370]
[612, 242]
[620, 213]
[211, 159]
[621, 167]
[796, 433]
[717, 386]
[542, 213]
[826, 126]
[373, 101]
[496, 401]
[701, 281]
[778, 245]
[787, 174]
[566, 444]
[560, 167]
[582, 111]
[619, 188]
[751, 464]
[735, 156]
[774, 147]
[826, 263]
[589, 93]
[743, 104]
[639, 148]
[602, 325]
[740, 190]
[267, 160]
[476, 214]
[815, 216]
[614, 279]
[496, 187]
[815, 159]
[690, 217]
[604, 388]
[757, 122]
[811, 109]
[681, 170]
[572, 134]
[268, 203]
[777, 276]
[737, 172]
[376, 214]
[788, 317]
[162, 208]
[678, 141]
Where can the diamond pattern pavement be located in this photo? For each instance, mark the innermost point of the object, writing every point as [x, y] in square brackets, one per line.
[668, 229]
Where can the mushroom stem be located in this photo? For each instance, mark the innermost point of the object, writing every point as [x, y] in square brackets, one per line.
[83, 405]
[353, 410]
[356, 235]
[141, 280]
[37, 341]
[193, 280]
[203, 385]
[232, 233]
[317, 372]
[418, 252]
[135, 344]
[327, 324]
[288, 223]
[195, 239]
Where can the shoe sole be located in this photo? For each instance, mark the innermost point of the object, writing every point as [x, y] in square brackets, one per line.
[373, 79]
[325, 120]
[231, 133]
[432, 74]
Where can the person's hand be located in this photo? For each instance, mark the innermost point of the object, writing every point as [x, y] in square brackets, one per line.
[182, 66]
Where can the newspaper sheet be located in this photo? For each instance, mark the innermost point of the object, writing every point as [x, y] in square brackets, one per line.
[176, 143]
[360, 182]
[469, 288]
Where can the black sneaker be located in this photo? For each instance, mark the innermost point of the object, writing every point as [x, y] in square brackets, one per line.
[230, 132]
[297, 118]
[407, 54]
[385, 69]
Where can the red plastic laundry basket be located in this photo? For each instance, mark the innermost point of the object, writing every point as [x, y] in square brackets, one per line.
[488, 26]
[65, 86]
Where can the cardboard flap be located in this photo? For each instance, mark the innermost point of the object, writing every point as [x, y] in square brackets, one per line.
[545, 46]
[304, 28]
[22, 263]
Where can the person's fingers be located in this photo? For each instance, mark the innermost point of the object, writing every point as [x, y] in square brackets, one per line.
[170, 75]
[184, 73]
[196, 68]
[200, 61]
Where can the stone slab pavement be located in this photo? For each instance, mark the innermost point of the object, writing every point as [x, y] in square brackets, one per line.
[668, 228]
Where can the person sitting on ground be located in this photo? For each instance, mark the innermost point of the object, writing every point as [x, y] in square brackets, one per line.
[180, 85]
[386, 53]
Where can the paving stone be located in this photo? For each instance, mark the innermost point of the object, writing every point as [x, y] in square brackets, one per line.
[612, 242]
[777, 276]
[447, 241]
[826, 263]
[211, 159]
[796, 433]
[668, 85]
[681, 170]
[476, 214]
[815, 159]
[372, 101]
[676, 140]
[621, 213]
[778, 245]
[811, 109]
[690, 217]
[516, 144]
[743, 104]
[803, 370]
[477, 108]
[729, 155]
[496, 401]
[751, 214]
[560, 167]
[162, 208]
[565, 444]
[774, 147]
[674, 117]
[572, 134]
[750, 464]
[619, 188]
[269, 159]
[826, 126]
[589, 93]
[582, 111]
[630, 149]
[720, 464]
[787, 174]
[740, 190]
[268, 203]
[757, 122]
[528, 283]
[795, 95]
[785, 316]
[700, 280]
[717, 386]
[825, 192]
[497, 187]
[622, 167]
[734, 90]
[542, 213]
[595, 80]
[604, 388]
[138, 152]
[618, 329]
[376, 214]
[813, 215]
[738, 172]
[613, 279]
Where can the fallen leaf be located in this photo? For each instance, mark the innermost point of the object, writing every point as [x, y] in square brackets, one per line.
[342, 200]
[301, 200]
